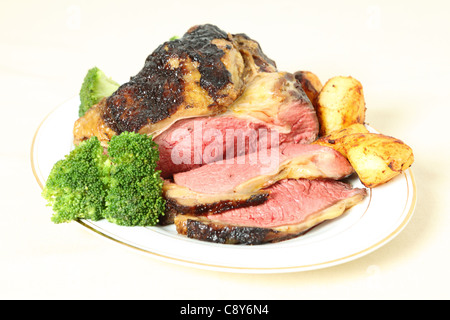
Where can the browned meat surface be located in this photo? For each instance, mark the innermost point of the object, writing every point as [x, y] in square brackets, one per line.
[200, 74]
[293, 207]
[93, 124]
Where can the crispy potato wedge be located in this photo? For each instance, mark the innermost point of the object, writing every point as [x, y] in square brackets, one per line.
[340, 103]
[310, 83]
[376, 158]
[333, 140]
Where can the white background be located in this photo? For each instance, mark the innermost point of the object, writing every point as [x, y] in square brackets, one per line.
[399, 50]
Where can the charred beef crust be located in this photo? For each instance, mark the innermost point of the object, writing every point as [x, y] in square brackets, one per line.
[225, 234]
[231, 235]
[228, 235]
[215, 76]
[156, 91]
[250, 47]
[173, 208]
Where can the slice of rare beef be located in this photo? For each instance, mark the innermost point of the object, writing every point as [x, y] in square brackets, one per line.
[181, 200]
[273, 109]
[294, 206]
[218, 187]
[255, 171]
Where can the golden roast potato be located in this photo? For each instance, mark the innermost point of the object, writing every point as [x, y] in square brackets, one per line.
[376, 158]
[340, 103]
[310, 83]
[333, 140]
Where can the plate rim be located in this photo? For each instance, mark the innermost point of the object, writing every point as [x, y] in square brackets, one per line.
[412, 198]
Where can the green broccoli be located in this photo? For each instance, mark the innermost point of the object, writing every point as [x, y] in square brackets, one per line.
[121, 185]
[135, 188]
[76, 186]
[96, 85]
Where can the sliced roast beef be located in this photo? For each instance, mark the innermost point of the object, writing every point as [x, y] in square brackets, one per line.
[293, 207]
[181, 200]
[273, 109]
[252, 172]
[217, 187]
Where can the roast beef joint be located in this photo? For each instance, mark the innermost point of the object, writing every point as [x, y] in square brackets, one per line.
[235, 138]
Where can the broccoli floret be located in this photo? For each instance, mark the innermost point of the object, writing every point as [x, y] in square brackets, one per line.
[76, 187]
[122, 185]
[135, 188]
[96, 85]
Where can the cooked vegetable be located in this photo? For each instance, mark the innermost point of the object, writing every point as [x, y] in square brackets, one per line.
[96, 85]
[333, 140]
[122, 186]
[76, 187]
[311, 84]
[340, 103]
[376, 158]
[135, 187]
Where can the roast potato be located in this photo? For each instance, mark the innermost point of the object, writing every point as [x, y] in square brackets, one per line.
[310, 83]
[333, 140]
[340, 103]
[376, 158]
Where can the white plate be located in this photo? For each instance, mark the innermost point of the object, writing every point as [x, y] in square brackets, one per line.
[361, 230]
